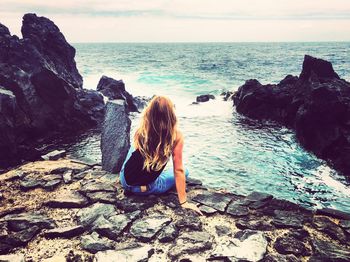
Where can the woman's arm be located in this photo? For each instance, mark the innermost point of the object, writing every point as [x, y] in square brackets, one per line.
[179, 173]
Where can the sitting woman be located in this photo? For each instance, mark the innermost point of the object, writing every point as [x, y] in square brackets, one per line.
[155, 141]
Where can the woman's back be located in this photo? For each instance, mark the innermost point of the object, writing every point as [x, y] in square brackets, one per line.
[135, 174]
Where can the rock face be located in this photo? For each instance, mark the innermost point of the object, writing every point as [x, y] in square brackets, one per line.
[316, 105]
[115, 89]
[115, 137]
[41, 88]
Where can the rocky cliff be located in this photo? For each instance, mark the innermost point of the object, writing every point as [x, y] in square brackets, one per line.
[41, 88]
[316, 105]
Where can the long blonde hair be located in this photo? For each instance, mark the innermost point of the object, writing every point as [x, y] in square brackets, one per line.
[156, 135]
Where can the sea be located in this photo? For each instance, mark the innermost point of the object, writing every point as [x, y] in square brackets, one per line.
[225, 150]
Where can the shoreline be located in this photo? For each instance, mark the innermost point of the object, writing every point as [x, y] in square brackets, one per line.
[277, 228]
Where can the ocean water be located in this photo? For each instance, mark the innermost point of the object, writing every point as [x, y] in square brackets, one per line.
[225, 150]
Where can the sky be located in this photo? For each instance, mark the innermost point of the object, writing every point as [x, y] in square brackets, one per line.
[188, 20]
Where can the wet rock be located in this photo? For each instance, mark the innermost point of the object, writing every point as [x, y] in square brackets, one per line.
[280, 258]
[67, 176]
[146, 228]
[140, 253]
[54, 155]
[103, 197]
[333, 213]
[227, 95]
[281, 204]
[12, 258]
[193, 182]
[215, 200]
[207, 210]
[18, 222]
[191, 243]
[93, 243]
[88, 215]
[299, 234]
[115, 89]
[298, 103]
[330, 228]
[68, 200]
[204, 98]
[290, 245]
[286, 219]
[258, 196]
[64, 232]
[168, 234]
[328, 251]
[115, 137]
[247, 245]
[91, 102]
[191, 222]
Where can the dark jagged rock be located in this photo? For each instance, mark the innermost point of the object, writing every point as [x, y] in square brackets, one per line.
[190, 222]
[235, 209]
[114, 89]
[215, 200]
[280, 258]
[316, 105]
[330, 228]
[88, 215]
[222, 230]
[91, 102]
[97, 186]
[333, 213]
[42, 80]
[168, 234]
[134, 202]
[146, 228]
[93, 243]
[204, 98]
[327, 251]
[290, 245]
[254, 224]
[227, 95]
[207, 210]
[64, 232]
[22, 221]
[114, 225]
[115, 137]
[103, 197]
[285, 219]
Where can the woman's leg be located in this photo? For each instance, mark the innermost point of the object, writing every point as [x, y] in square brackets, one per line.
[164, 182]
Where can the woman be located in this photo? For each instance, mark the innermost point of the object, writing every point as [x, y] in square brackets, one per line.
[155, 141]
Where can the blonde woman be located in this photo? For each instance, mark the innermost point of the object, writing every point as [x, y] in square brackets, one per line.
[155, 141]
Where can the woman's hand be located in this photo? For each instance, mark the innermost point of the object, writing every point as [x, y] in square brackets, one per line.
[192, 207]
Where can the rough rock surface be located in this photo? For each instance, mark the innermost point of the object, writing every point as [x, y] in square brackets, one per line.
[41, 83]
[115, 137]
[316, 105]
[115, 90]
[101, 231]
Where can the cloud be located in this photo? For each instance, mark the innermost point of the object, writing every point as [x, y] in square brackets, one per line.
[188, 20]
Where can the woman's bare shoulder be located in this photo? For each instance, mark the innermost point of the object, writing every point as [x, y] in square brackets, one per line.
[179, 135]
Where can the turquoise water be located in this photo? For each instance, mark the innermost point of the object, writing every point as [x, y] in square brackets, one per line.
[222, 148]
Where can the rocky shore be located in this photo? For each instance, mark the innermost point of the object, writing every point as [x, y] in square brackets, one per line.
[316, 105]
[67, 210]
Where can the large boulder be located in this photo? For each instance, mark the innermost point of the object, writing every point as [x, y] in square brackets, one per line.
[316, 105]
[115, 89]
[41, 73]
[115, 137]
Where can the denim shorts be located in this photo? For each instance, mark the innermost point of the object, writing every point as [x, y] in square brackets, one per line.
[164, 182]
